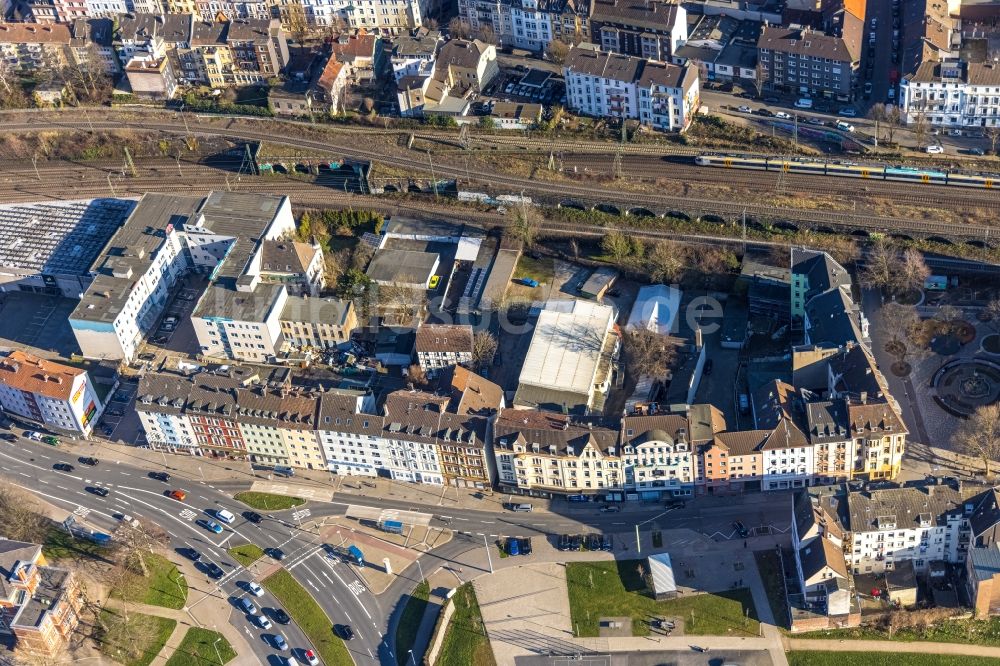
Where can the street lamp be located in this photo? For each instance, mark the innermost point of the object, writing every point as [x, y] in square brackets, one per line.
[489, 558]
[421, 568]
[412, 658]
[215, 644]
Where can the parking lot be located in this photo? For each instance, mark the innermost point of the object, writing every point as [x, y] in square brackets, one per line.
[523, 84]
[38, 321]
[175, 333]
[119, 421]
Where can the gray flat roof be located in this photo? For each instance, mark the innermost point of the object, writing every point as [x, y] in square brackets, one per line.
[130, 252]
[58, 238]
[402, 266]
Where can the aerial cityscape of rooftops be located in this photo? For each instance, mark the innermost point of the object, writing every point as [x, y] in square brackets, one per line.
[500, 332]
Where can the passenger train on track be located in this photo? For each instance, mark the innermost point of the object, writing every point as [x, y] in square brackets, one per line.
[816, 167]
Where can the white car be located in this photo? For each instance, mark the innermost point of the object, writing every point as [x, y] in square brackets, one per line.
[783, 115]
[255, 589]
[745, 109]
[225, 516]
[262, 621]
[934, 150]
[35, 436]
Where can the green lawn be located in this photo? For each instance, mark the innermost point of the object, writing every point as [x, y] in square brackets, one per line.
[769, 566]
[811, 658]
[607, 589]
[59, 545]
[268, 501]
[542, 269]
[465, 641]
[136, 643]
[409, 622]
[310, 618]
[246, 554]
[165, 586]
[978, 632]
[199, 648]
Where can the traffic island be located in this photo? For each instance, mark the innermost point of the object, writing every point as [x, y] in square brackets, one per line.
[309, 617]
[246, 554]
[409, 621]
[268, 501]
[164, 585]
[202, 647]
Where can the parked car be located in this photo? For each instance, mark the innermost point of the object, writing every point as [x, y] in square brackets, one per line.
[745, 109]
[525, 543]
[979, 152]
[593, 542]
[741, 529]
[610, 508]
[783, 115]
[565, 542]
[8, 437]
[50, 440]
[607, 543]
[934, 150]
[764, 112]
[848, 111]
[576, 542]
[114, 412]
[513, 547]
[32, 435]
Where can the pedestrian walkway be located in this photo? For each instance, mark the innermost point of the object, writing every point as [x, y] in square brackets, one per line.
[847, 645]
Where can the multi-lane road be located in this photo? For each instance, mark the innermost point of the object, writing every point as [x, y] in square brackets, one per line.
[336, 585]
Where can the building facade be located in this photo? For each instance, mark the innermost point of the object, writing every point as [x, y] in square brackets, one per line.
[57, 396]
[807, 63]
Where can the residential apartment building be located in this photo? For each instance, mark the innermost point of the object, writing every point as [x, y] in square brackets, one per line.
[415, 55]
[528, 24]
[317, 323]
[544, 453]
[298, 266]
[818, 545]
[916, 524]
[442, 345]
[351, 434]
[952, 94]
[609, 85]
[652, 30]
[57, 396]
[29, 47]
[657, 457]
[40, 604]
[808, 63]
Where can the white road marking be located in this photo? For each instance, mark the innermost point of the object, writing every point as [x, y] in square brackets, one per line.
[356, 587]
[223, 542]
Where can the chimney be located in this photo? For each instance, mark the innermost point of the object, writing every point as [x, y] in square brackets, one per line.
[698, 342]
[864, 397]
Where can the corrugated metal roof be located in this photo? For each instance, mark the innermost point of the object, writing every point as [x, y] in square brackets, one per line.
[566, 346]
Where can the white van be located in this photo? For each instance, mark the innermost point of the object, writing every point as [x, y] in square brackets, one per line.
[225, 516]
[804, 103]
[844, 127]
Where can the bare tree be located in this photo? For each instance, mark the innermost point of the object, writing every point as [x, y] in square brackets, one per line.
[20, 516]
[913, 271]
[877, 113]
[879, 267]
[921, 128]
[992, 309]
[993, 134]
[648, 352]
[759, 78]
[557, 51]
[616, 245]
[892, 121]
[484, 348]
[525, 225]
[948, 314]
[401, 304]
[487, 34]
[136, 540]
[459, 29]
[979, 435]
[898, 321]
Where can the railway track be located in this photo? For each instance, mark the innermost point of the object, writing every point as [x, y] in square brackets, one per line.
[555, 193]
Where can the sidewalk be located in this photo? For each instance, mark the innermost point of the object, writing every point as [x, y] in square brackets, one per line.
[848, 645]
